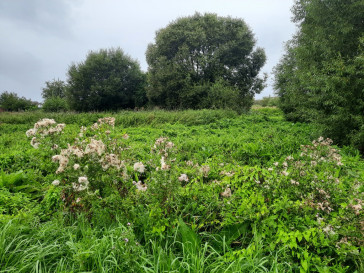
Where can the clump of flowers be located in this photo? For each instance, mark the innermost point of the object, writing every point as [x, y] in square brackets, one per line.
[42, 128]
[183, 178]
[140, 186]
[139, 167]
[81, 185]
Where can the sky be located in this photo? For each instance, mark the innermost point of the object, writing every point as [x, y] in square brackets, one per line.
[40, 39]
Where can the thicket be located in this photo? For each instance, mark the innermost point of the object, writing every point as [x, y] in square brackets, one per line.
[10, 101]
[321, 77]
[208, 196]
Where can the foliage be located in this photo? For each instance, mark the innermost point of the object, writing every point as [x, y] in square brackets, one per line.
[55, 88]
[320, 78]
[191, 191]
[55, 104]
[267, 101]
[106, 80]
[193, 54]
[10, 101]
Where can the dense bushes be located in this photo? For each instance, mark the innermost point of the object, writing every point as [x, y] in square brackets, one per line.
[10, 101]
[321, 76]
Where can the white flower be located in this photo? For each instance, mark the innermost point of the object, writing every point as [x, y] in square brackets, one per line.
[276, 164]
[226, 193]
[76, 167]
[205, 170]
[140, 186]
[95, 146]
[55, 183]
[81, 185]
[285, 173]
[31, 132]
[270, 169]
[183, 177]
[125, 136]
[139, 167]
[34, 142]
[164, 166]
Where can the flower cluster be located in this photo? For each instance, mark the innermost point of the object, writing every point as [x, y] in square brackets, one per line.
[109, 121]
[111, 160]
[95, 147]
[44, 127]
[81, 185]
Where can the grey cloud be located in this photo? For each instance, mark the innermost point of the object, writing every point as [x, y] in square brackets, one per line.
[43, 16]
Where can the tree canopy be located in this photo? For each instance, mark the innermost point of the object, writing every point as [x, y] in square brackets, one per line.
[193, 54]
[106, 80]
[54, 88]
[321, 76]
[10, 101]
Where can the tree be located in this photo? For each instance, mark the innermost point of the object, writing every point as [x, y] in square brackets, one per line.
[321, 76]
[106, 80]
[55, 88]
[193, 53]
[10, 101]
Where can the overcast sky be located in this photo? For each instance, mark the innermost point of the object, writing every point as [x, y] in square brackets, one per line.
[41, 38]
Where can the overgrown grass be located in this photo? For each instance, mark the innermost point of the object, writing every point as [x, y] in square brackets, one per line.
[274, 220]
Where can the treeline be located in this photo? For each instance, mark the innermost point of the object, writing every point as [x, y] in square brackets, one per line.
[321, 76]
[196, 62]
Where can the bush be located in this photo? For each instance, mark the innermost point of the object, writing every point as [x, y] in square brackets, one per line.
[55, 104]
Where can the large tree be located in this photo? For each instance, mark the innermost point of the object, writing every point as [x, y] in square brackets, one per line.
[193, 54]
[321, 76]
[106, 80]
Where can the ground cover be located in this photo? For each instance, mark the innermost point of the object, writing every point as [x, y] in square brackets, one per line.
[187, 191]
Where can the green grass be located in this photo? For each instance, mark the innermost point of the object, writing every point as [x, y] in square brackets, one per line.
[268, 224]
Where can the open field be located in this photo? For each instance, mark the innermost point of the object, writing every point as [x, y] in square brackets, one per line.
[186, 191]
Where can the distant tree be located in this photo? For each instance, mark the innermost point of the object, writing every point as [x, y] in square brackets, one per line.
[55, 88]
[321, 76]
[10, 101]
[193, 53]
[106, 80]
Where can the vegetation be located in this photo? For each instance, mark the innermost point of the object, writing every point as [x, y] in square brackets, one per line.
[320, 78]
[106, 80]
[191, 191]
[204, 61]
[10, 101]
[267, 101]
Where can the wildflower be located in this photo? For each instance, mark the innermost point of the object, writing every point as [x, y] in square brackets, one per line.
[140, 186]
[270, 169]
[126, 240]
[63, 161]
[78, 200]
[313, 163]
[189, 163]
[76, 167]
[357, 208]
[81, 185]
[289, 158]
[226, 193]
[293, 182]
[205, 170]
[276, 164]
[125, 136]
[128, 224]
[183, 177]
[285, 164]
[95, 146]
[55, 183]
[285, 173]
[31, 132]
[164, 166]
[139, 167]
[34, 142]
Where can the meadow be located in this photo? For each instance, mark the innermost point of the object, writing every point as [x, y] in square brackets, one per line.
[184, 191]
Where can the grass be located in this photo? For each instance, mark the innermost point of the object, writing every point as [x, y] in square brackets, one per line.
[268, 224]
